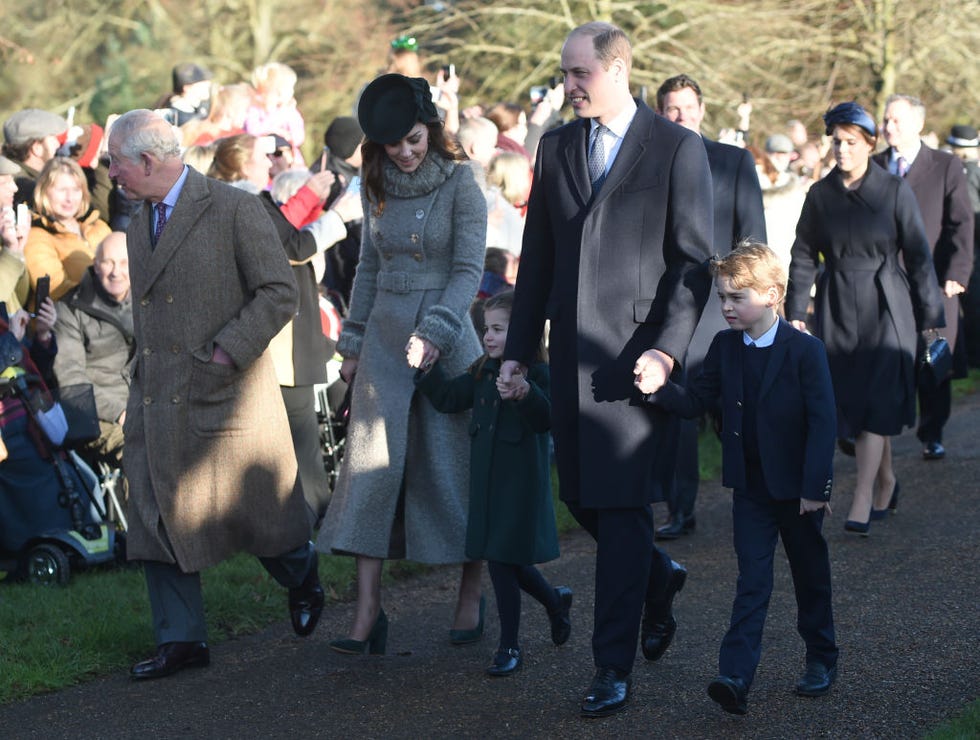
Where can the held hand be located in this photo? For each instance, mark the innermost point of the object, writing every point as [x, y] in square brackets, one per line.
[652, 369]
[420, 353]
[321, 183]
[953, 288]
[44, 321]
[515, 389]
[807, 506]
[511, 374]
[799, 325]
[348, 369]
[349, 207]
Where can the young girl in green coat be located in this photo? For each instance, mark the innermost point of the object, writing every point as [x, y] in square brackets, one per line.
[511, 520]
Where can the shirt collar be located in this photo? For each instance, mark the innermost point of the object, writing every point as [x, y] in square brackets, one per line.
[909, 155]
[170, 199]
[619, 125]
[766, 339]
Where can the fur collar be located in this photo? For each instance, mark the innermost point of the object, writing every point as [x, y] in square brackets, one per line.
[430, 174]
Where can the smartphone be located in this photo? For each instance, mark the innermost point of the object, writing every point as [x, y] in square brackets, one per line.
[41, 292]
[448, 70]
[23, 215]
[537, 93]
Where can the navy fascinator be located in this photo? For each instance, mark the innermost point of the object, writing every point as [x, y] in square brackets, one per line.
[849, 113]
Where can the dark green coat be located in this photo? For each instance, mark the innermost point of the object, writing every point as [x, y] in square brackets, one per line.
[511, 515]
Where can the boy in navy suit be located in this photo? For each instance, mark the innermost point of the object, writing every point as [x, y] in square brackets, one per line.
[778, 431]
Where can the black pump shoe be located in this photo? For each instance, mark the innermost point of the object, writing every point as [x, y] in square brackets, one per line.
[505, 662]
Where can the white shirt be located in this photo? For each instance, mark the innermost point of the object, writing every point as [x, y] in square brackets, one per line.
[615, 131]
[765, 340]
[170, 199]
[910, 156]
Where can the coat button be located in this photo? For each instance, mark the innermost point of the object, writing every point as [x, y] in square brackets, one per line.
[415, 238]
[147, 401]
[738, 404]
[417, 256]
[175, 399]
[147, 351]
[736, 434]
[387, 256]
[175, 349]
[144, 301]
[420, 214]
[169, 298]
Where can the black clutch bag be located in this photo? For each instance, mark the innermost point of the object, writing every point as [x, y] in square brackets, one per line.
[937, 360]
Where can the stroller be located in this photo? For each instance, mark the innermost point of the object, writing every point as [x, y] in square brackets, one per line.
[51, 512]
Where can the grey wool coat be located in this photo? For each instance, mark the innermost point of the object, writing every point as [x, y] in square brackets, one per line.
[420, 267]
[204, 442]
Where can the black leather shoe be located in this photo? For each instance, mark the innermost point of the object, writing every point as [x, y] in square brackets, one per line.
[730, 694]
[933, 451]
[170, 658]
[609, 692]
[678, 525]
[505, 662]
[306, 603]
[817, 679]
[561, 623]
[659, 625]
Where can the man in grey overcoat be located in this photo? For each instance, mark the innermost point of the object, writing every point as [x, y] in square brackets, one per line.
[618, 233]
[205, 424]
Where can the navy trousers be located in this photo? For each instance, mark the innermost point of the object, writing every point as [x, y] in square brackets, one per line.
[628, 566]
[758, 521]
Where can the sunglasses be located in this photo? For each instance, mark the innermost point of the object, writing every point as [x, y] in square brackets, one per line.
[278, 153]
[405, 43]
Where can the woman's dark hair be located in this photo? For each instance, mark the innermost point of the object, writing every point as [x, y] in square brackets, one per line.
[373, 157]
[504, 300]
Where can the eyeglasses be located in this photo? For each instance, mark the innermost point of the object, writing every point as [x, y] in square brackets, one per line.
[405, 43]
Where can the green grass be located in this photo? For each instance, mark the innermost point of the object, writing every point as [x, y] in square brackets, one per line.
[967, 386]
[964, 726]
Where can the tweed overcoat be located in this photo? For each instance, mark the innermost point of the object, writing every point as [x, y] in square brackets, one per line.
[878, 290]
[512, 518]
[205, 443]
[420, 266]
[617, 274]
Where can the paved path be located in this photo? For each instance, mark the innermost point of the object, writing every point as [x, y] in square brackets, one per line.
[907, 613]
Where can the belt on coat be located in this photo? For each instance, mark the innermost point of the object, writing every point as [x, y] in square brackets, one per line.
[859, 264]
[406, 282]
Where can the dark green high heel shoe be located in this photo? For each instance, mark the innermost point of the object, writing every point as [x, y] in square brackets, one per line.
[465, 637]
[374, 644]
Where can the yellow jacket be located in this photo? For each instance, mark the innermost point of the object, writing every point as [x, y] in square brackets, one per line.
[64, 255]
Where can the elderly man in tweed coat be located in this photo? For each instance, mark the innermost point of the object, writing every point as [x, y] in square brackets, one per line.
[205, 425]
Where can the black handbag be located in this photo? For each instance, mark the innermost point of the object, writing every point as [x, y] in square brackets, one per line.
[937, 360]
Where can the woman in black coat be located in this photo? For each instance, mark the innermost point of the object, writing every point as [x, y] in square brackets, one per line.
[877, 290]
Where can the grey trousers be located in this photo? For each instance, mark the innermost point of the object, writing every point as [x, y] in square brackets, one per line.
[177, 605]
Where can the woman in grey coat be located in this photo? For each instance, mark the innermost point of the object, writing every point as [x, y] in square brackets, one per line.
[403, 486]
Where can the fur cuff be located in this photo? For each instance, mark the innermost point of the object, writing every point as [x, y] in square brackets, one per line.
[441, 327]
[351, 339]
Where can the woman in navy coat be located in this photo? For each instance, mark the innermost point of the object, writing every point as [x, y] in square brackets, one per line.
[878, 289]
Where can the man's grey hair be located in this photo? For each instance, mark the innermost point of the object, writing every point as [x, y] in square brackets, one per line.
[472, 129]
[143, 131]
[914, 103]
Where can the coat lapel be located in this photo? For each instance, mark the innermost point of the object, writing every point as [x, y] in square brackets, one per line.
[779, 347]
[630, 152]
[576, 158]
[194, 199]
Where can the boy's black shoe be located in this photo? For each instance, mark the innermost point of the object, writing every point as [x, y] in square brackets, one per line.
[817, 679]
[609, 692]
[658, 626]
[730, 693]
[678, 525]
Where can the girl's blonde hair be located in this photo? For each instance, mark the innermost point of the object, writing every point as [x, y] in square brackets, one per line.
[754, 265]
[273, 75]
[510, 172]
[53, 168]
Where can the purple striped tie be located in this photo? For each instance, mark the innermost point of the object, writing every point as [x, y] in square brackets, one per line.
[161, 209]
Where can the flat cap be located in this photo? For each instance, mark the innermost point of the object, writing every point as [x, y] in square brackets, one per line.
[32, 123]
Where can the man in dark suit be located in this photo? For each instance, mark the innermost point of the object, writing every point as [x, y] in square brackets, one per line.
[205, 424]
[739, 215]
[938, 180]
[615, 246]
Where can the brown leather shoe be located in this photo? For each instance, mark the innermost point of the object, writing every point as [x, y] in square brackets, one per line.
[170, 658]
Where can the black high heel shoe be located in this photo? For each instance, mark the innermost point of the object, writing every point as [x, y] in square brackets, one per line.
[860, 528]
[878, 514]
[375, 643]
[465, 637]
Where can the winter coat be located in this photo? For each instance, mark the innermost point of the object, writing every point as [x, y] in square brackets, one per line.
[95, 337]
[421, 262]
[869, 307]
[511, 518]
[64, 255]
[208, 451]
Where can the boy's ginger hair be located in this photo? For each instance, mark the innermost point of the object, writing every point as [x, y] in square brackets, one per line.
[753, 265]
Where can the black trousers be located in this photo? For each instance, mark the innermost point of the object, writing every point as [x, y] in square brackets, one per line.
[629, 570]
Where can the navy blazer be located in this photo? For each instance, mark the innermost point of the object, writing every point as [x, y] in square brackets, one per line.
[796, 416]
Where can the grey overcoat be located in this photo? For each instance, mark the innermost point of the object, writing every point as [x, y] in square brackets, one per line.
[420, 267]
[208, 452]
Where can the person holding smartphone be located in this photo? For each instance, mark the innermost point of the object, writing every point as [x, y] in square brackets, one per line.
[15, 223]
